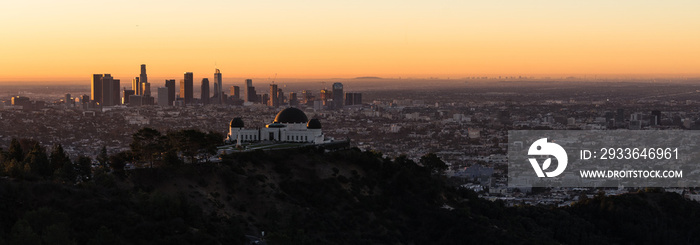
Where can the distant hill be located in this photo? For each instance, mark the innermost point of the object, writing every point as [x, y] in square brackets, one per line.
[368, 78]
[306, 196]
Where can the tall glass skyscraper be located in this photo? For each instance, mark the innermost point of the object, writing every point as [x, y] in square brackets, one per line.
[96, 88]
[205, 91]
[170, 84]
[186, 87]
[274, 101]
[219, 86]
[338, 96]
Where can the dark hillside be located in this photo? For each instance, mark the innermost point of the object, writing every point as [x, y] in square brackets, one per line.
[306, 196]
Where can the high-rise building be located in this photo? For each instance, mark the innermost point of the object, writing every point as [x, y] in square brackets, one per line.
[140, 84]
[135, 100]
[181, 94]
[280, 96]
[163, 98]
[143, 77]
[146, 88]
[250, 95]
[85, 98]
[96, 88]
[265, 99]
[108, 90]
[20, 100]
[105, 90]
[219, 89]
[307, 96]
[274, 102]
[353, 99]
[148, 100]
[68, 101]
[235, 92]
[338, 96]
[325, 96]
[293, 99]
[136, 85]
[170, 84]
[116, 92]
[127, 93]
[205, 91]
[187, 87]
[108, 85]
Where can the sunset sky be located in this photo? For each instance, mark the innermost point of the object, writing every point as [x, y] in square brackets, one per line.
[70, 39]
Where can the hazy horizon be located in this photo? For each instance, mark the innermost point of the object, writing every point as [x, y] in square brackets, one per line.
[238, 79]
[68, 40]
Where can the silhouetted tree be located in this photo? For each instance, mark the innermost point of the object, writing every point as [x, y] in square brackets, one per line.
[403, 161]
[38, 162]
[433, 163]
[84, 168]
[189, 142]
[103, 158]
[213, 139]
[170, 158]
[15, 151]
[68, 172]
[14, 168]
[3, 155]
[146, 143]
[58, 158]
[117, 162]
[22, 234]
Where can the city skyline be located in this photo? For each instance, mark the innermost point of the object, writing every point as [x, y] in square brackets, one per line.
[56, 41]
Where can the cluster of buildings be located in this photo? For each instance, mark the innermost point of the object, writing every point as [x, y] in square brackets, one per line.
[105, 91]
[24, 103]
[333, 98]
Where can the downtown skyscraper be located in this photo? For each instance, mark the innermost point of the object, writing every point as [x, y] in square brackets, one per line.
[235, 92]
[170, 84]
[274, 101]
[140, 84]
[96, 88]
[145, 86]
[143, 77]
[187, 87]
[127, 94]
[338, 96]
[218, 87]
[163, 97]
[136, 85]
[105, 90]
[204, 97]
[353, 98]
[250, 94]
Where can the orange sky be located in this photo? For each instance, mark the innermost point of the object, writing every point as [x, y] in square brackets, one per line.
[71, 39]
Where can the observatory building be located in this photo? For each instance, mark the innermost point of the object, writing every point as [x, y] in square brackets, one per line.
[290, 125]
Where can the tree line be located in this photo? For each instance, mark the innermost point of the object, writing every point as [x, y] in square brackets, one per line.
[28, 159]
